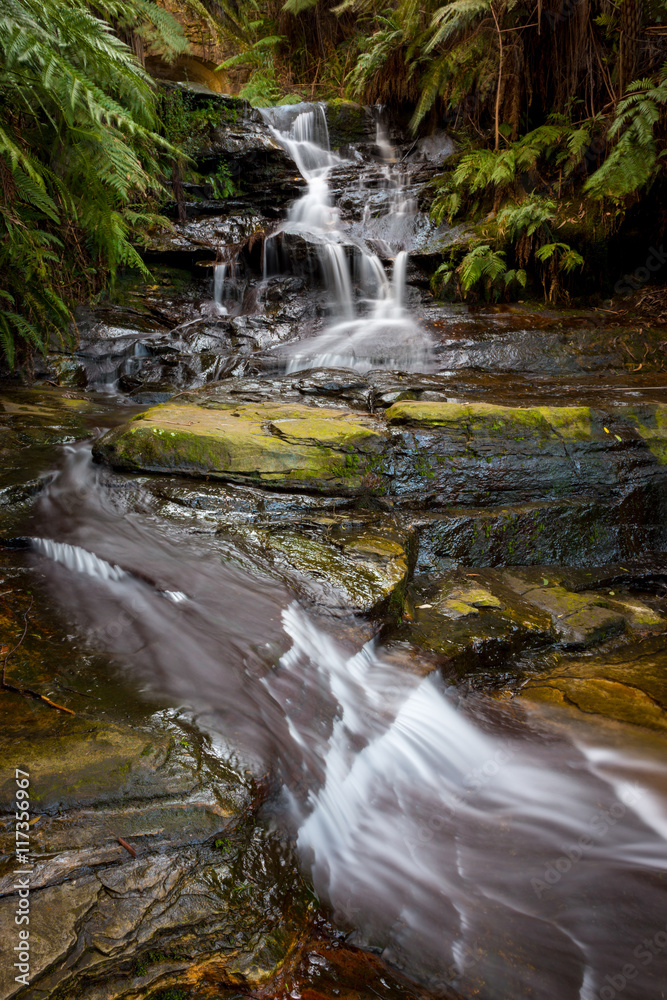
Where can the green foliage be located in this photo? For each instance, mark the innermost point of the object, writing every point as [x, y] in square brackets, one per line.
[222, 183]
[298, 6]
[635, 160]
[526, 217]
[567, 258]
[80, 159]
[149, 22]
[262, 89]
[511, 197]
[185, 123]
[375, 51]
[481, 271]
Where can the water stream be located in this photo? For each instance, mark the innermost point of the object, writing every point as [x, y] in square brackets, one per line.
[369, 327]
[482, 846]
[472, 843]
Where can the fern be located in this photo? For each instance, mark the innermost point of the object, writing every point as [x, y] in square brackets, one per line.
[526, 217]
[635, 160]
[79, 153]
[567, 258]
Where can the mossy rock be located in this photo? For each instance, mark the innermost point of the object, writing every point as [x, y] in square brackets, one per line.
[569, 422]
[651, 423]
[347, 122]
[364, 570]
[423, 453]
[281, 445]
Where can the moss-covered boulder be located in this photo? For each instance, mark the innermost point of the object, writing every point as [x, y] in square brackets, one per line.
[473, 618]
[348, 123]
[578, 619]
[418, 452]
[651, 424]
[483, 453]
[285, 445]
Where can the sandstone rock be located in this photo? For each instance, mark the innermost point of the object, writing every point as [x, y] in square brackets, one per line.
[628, 685]
[422, 453]
[577, 619]
[342, 563]
[324, 450]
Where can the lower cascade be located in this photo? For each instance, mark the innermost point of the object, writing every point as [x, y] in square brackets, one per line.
[450, 835]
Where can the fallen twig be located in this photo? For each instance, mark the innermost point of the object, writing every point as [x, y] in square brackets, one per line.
[13, 650]
[128, 847]
[6, 686]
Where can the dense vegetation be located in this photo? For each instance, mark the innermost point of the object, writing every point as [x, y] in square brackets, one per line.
[80, 157]
[558, 108]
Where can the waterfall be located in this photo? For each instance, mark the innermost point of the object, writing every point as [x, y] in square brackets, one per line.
[398, 278]
[429, 830]
[367, 331]
[78, 559]
[336, 270]
[219, 274]
[476, 845]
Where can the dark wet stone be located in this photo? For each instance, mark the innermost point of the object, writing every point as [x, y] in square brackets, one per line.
[202, 238]
[578, 619]
[234, 912]
[471, 623]
[577, 531]
[349, 123]
[345, 563]
[476, 619]
[420, 453]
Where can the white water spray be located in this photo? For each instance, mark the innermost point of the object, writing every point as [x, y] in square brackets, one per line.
[374, 330]
[219, 275]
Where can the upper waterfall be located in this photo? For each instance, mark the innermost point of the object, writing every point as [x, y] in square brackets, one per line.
[369, 325]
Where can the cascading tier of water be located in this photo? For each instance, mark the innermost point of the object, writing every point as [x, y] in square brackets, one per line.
[369, 326]
[474, 843]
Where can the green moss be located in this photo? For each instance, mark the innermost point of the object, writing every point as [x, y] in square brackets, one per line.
[572, 423]
[651, 423]
[346, 122]
[272, 443]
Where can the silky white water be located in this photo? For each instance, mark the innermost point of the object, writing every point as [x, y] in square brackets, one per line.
[489, 847]
[369, 325]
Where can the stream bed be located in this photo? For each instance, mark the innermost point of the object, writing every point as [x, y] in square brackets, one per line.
[345, 609]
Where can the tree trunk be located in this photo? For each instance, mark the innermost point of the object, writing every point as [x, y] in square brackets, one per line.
[630, 28]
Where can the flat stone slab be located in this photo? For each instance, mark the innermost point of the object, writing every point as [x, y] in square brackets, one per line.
[279, 445]
[356, 572]
[416, 452]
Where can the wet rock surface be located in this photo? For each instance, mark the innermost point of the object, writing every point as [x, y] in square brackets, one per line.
[497, 520]
[627, 685]
[419, 453]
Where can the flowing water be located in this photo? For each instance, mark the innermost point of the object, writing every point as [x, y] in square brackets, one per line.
[478, 846]
[370, 328]
[472, 843]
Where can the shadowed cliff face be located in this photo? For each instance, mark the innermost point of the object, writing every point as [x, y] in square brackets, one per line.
[208, 47]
